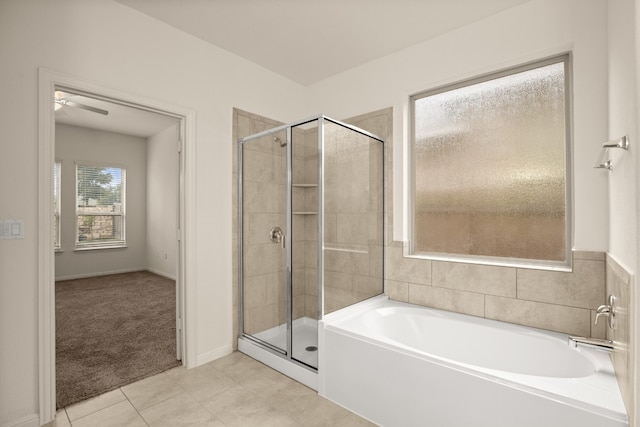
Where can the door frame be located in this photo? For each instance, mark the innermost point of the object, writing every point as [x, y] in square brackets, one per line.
[185, 301]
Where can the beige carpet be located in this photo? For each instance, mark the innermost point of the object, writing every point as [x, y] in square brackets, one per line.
[111, 331]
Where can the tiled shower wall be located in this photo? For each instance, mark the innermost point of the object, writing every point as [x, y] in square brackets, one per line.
[353, 237]
[305, 220]
[353, 217]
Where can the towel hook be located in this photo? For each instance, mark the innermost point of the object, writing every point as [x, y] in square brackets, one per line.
[616, 143]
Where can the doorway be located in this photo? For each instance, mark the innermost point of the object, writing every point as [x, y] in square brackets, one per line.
[115, 223]
[50, 83]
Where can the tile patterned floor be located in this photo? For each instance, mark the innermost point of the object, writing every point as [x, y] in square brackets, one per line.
[234, 391]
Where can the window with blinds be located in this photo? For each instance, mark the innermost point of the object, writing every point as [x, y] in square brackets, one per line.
[100, 206]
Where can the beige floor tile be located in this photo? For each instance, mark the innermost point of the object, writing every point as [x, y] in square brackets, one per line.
[259, 378]
[152, 390]
[233, 361]
[181, 410]
[234, 391]
[122, 414]
[284, 393]
[61, 420]
[201, 382]
[239, 407]
[353, 420]
[95, 404]
[313, 411]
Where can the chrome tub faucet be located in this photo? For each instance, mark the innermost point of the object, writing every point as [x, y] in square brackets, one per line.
[592, 342]
[607, 310]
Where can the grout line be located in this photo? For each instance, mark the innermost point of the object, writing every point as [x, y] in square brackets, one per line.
[133, 406]
[66, 415]
[99, 410]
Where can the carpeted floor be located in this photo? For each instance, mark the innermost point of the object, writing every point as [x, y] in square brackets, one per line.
[111, 331]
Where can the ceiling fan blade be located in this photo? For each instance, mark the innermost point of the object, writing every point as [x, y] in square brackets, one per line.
[86, 107]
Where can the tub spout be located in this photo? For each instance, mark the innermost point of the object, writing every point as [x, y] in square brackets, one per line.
[593, 342]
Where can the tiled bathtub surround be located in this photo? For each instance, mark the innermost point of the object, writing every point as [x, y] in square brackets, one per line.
[619, 283]
[558, 301]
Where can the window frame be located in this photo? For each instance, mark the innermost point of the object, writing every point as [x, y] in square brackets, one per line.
[57, 208]
[566, 265]
[91, 245]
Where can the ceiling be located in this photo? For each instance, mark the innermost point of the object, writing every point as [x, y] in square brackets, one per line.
[120, 118]
[309, 40]
[303, 40]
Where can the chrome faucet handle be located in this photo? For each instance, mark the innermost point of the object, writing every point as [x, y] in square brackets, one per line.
[608, 311]
[276, 235]
[603, 310]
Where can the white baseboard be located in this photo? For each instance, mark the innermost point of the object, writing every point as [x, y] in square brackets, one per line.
[160, 273]
[213, 355]
[106, 273]
[102, 273]
[26, 421]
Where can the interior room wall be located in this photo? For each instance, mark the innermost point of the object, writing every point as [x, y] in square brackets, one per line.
[622, 260]
[146, 58]
[604, 107]
[75, 144]
[601, 36]
[162, 202]
[533, 30]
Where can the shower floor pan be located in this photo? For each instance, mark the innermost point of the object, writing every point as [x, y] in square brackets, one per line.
[305, 340]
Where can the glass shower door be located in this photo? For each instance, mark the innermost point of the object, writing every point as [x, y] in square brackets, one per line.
[263, 169]
[304, 220]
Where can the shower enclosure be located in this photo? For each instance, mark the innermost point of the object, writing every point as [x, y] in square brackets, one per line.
[311, 227]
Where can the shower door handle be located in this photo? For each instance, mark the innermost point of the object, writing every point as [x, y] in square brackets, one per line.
[276, 235]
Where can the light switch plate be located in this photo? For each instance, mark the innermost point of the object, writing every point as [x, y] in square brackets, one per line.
[11, 229]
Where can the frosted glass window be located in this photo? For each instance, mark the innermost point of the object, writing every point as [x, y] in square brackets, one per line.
[490, 166]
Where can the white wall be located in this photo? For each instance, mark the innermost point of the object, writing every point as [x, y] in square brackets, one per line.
[162, 202]
[622, 121]
[111, 45]
[534, 30]
[76, 145]
[624, 55]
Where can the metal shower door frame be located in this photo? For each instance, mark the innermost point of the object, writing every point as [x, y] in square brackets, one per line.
[321, 119]
[286, 352]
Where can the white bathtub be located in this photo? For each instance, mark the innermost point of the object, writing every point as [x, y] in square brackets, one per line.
[402, 365]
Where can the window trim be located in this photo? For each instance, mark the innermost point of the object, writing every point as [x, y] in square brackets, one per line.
[567, 265]
[116, 244]
[57, 210]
